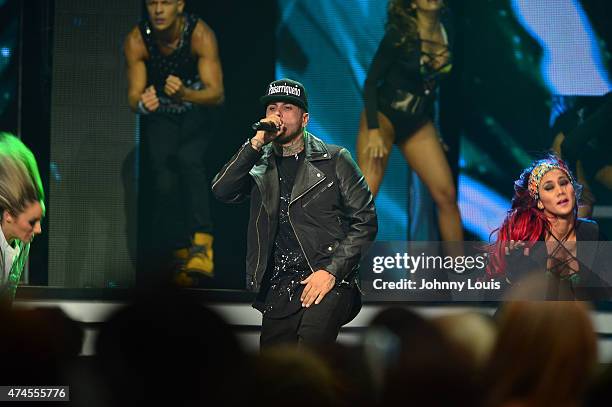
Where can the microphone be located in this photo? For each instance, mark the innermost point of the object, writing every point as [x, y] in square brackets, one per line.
[265, 126]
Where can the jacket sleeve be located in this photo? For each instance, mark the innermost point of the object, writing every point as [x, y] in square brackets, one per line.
[233, 183]
[519, 266]
[384, 57]
[358, 206]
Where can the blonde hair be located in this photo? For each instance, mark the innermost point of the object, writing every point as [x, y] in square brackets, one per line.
[16, 187]
[13, 148]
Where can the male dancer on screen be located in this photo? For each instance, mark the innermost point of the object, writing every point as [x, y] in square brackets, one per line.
[175, 79]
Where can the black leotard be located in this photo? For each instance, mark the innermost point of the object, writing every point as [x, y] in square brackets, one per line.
[398, 73]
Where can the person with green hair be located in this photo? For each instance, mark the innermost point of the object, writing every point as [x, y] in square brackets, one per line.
[21, 210]
[14, 147]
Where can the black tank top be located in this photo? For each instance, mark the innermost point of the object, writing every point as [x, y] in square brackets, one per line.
[181, 63]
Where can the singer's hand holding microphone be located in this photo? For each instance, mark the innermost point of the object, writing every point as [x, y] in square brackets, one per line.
[268, 129]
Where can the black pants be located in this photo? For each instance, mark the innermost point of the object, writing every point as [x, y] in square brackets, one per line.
[318, 324]
[175, 193]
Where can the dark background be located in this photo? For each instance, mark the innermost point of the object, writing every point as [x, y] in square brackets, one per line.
[495, 103]
[246, 38]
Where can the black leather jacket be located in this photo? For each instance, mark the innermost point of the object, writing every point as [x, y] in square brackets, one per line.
[331, 209]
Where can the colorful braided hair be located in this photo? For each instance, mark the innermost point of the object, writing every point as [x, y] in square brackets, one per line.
[524, 221]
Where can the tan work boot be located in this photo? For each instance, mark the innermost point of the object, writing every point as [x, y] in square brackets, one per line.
[181, 279]
[181, 255]
[201, 255]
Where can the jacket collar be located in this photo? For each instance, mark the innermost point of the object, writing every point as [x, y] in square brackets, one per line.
[265, 172]
[309, 175]
[315, 149]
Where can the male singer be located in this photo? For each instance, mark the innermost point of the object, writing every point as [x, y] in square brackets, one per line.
[175, 79]
[312, 219]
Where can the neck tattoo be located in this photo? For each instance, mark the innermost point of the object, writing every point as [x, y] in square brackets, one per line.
[294, 148]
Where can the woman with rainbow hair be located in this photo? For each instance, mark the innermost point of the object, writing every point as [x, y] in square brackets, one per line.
[545, 211]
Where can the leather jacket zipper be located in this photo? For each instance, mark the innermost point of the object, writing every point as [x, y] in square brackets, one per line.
[291, 223]
[258, 242]
[325, 188]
